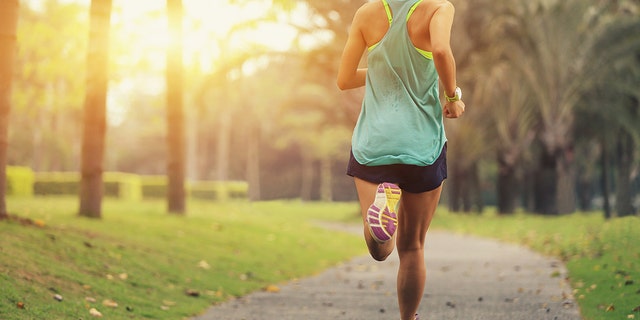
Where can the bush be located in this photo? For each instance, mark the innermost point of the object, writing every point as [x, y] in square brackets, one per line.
[56, 183]
[20, 181]
[154, 186]
[123, 185]
[116, 184]
[135, 187]
[219, 190]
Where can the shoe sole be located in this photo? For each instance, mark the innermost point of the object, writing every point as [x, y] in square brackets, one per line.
[382, 218]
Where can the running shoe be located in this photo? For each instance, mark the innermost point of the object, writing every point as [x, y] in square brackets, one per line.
[382, 215]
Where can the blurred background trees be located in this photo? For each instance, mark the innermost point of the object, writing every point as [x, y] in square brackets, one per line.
[551, 89]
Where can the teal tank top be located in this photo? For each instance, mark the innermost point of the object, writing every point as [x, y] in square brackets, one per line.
[401, 117]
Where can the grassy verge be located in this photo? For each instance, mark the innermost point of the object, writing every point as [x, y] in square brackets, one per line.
[602, 257]
[140, 263]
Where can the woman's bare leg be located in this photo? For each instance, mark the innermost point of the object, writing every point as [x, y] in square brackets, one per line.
[414, 217]
[366, 195]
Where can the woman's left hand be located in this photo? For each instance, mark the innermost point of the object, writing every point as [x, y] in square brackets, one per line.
[453, 110]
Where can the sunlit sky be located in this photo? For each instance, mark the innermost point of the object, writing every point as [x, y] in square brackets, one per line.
[206, 24]
[206, 29]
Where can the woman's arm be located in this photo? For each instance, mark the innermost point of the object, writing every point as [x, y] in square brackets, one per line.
[440, 32]
[349, 75]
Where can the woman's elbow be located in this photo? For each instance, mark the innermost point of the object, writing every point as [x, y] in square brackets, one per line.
[342, 84]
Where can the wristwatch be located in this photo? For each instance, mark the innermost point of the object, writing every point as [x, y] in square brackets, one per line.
[456, 96]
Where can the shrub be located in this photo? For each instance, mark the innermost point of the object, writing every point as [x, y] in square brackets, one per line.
[56, 183]
[219, 190]
[154, 186]
[116, 184]
[123, 185]
[20, 181]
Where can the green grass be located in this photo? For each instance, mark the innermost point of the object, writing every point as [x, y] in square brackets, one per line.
[153, 264]
[602, 257]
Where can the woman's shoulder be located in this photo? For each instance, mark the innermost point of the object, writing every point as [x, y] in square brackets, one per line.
[371, 14]
[436, 4]
[370, 8]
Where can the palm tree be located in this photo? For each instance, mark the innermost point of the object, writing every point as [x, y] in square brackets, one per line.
[175, 113]
[8, 25]
[94, 131]
[552, 45]
[614, 103]
[511, 119]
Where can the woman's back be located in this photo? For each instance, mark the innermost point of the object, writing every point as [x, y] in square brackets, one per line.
[374, 15]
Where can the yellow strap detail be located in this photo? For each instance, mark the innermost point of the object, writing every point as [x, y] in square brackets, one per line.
[388, 10]
[413, 8]
[425, 53]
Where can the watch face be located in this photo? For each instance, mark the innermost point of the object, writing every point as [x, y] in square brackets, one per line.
[458, 93]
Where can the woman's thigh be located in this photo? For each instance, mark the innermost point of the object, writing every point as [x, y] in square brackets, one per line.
[414, 218]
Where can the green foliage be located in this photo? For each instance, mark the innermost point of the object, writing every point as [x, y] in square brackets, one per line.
[20, 181]
[148, 262]
[123, 185]
[602, 257]
[48, 84]
[219, 190]
[57, 183]
[135, 187]
[154, 187]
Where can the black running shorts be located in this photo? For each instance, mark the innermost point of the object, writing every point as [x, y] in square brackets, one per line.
[410, 178]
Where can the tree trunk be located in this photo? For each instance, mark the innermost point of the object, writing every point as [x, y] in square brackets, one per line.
[624, 205]
[326, 179]
[566, 193]
[175, 111]
[223, 149]
[606, 166]
[8, 26]
[545, 186]
[455, 188]
[253, 165]
[93, 138]
[307, 177]
[507, 188]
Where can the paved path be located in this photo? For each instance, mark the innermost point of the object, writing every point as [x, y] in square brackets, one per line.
[468, 278]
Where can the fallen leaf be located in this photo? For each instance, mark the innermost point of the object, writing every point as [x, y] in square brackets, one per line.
[90, 299]
[109, 303]
[272, 288]
[95, 313]
[20, 305]
[609, 308]
[636, 309]
[631, 316]
[123, 276]
[39, 223]
[204, 265]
